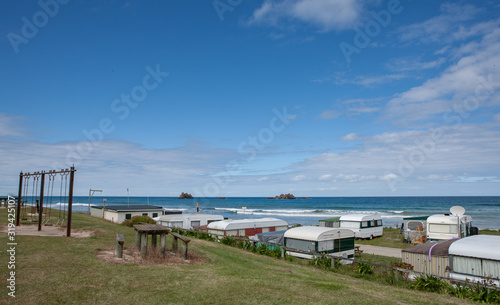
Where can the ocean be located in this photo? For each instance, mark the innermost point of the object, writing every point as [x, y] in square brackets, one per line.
[485, 211]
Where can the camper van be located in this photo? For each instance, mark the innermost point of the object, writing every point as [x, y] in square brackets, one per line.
[448, 226]
[246, 227]
[335, 242]
[363, 226]
[187, 221]
[476, 258]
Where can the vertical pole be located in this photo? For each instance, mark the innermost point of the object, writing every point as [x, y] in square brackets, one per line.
[40, 211]
[19, 199]
[144, 244]
[137, 241]
[70, 200]
[163, 241]
[185, 250]
[153, 240]
[174, 244]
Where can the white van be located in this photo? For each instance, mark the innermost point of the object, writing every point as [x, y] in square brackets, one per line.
[363, 226]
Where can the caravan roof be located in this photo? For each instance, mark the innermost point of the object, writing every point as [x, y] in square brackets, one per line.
[246, 223]
[318, 233]
[182, 217]
[448, 219]
[359, 217]
[480, 246]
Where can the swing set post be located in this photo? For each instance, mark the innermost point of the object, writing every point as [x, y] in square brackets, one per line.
[19, 200]
[70, 200]
[40, 211]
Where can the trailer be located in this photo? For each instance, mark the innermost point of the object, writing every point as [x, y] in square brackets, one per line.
[334, 242]
[414, 227]
[448, 226]
[187, 221]
[363, 226]
[246, 227]
[476, 258]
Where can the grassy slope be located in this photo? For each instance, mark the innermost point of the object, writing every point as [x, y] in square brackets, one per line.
[65, 271]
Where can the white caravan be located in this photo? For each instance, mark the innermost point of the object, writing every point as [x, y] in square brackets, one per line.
[363, 226]
[448, 226]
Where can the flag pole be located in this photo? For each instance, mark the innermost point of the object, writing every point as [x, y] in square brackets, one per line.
[128, 197]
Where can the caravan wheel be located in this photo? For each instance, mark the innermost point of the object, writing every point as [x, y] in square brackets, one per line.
[371, 237]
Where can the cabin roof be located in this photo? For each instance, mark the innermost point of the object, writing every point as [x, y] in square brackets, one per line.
[182, 217]
[318, 233]
[480, 246]
[129, 208]
[246, 223]
[438, 248]
[360, 217]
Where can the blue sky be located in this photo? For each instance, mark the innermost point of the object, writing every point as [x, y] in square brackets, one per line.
[253, 98]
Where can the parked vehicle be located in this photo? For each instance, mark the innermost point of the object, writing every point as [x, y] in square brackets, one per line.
[363, 226]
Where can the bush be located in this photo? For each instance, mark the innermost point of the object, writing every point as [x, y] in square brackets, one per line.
[136, 220]
[364, 269]
[430, 283]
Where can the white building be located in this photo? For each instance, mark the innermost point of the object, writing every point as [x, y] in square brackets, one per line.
[187, 221]
[120, 213]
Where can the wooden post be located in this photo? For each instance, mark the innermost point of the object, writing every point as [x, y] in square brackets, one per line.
[282, 253]
[70, 199]
[144, 244]
[184, 250]
[163, 241]
[137, 241]
[174, 244]
[19, 199]
[333, 263]
[153, 240]
[40, 210]
[120, 240]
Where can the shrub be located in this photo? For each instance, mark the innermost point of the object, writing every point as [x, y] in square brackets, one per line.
[364, 269]
[136, 220]
[429, 283]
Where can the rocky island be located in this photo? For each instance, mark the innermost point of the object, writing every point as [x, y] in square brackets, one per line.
[185, 196]
[283, 196]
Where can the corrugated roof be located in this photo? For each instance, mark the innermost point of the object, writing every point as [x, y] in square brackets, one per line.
[438, 248]
[127, 208]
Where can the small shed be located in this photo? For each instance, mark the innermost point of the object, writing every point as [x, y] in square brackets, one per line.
[335, 242]
[188, 221]
[246, 227]
[476, 258]
[333, 222]
[430, 258]
[120, 213]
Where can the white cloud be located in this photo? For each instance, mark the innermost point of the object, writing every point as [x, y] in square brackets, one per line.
[475, 74]
[351, 137]
[9, 126]
[263, 179]
[299, 178]
[324, 14]
[325, 177]
[329, 115]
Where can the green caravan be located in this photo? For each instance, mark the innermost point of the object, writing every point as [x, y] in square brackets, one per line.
[334, 242]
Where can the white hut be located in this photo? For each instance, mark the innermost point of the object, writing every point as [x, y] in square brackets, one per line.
[246, 227]
[476, 258]
[187, 221]
[335, 242]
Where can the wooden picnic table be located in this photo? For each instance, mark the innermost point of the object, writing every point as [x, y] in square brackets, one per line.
[141, 239]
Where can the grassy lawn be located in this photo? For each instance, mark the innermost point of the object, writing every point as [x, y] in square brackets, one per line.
[60, 270]
[391, 238]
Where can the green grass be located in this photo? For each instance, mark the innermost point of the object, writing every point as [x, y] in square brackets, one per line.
[60, 270]
[391, 238]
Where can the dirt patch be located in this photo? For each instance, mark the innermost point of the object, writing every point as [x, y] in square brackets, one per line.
[32, 230]
[130, 256]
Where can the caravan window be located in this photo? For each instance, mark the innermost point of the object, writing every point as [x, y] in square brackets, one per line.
[364, 224]
[441, 228]
[325, 245]
[379, 223]
[350, 224]
[467, 265]
[195, 223]
[304, 245]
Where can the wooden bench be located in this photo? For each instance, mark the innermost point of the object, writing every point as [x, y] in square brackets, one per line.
[185, 242]
[357, 250]
[120, 240]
